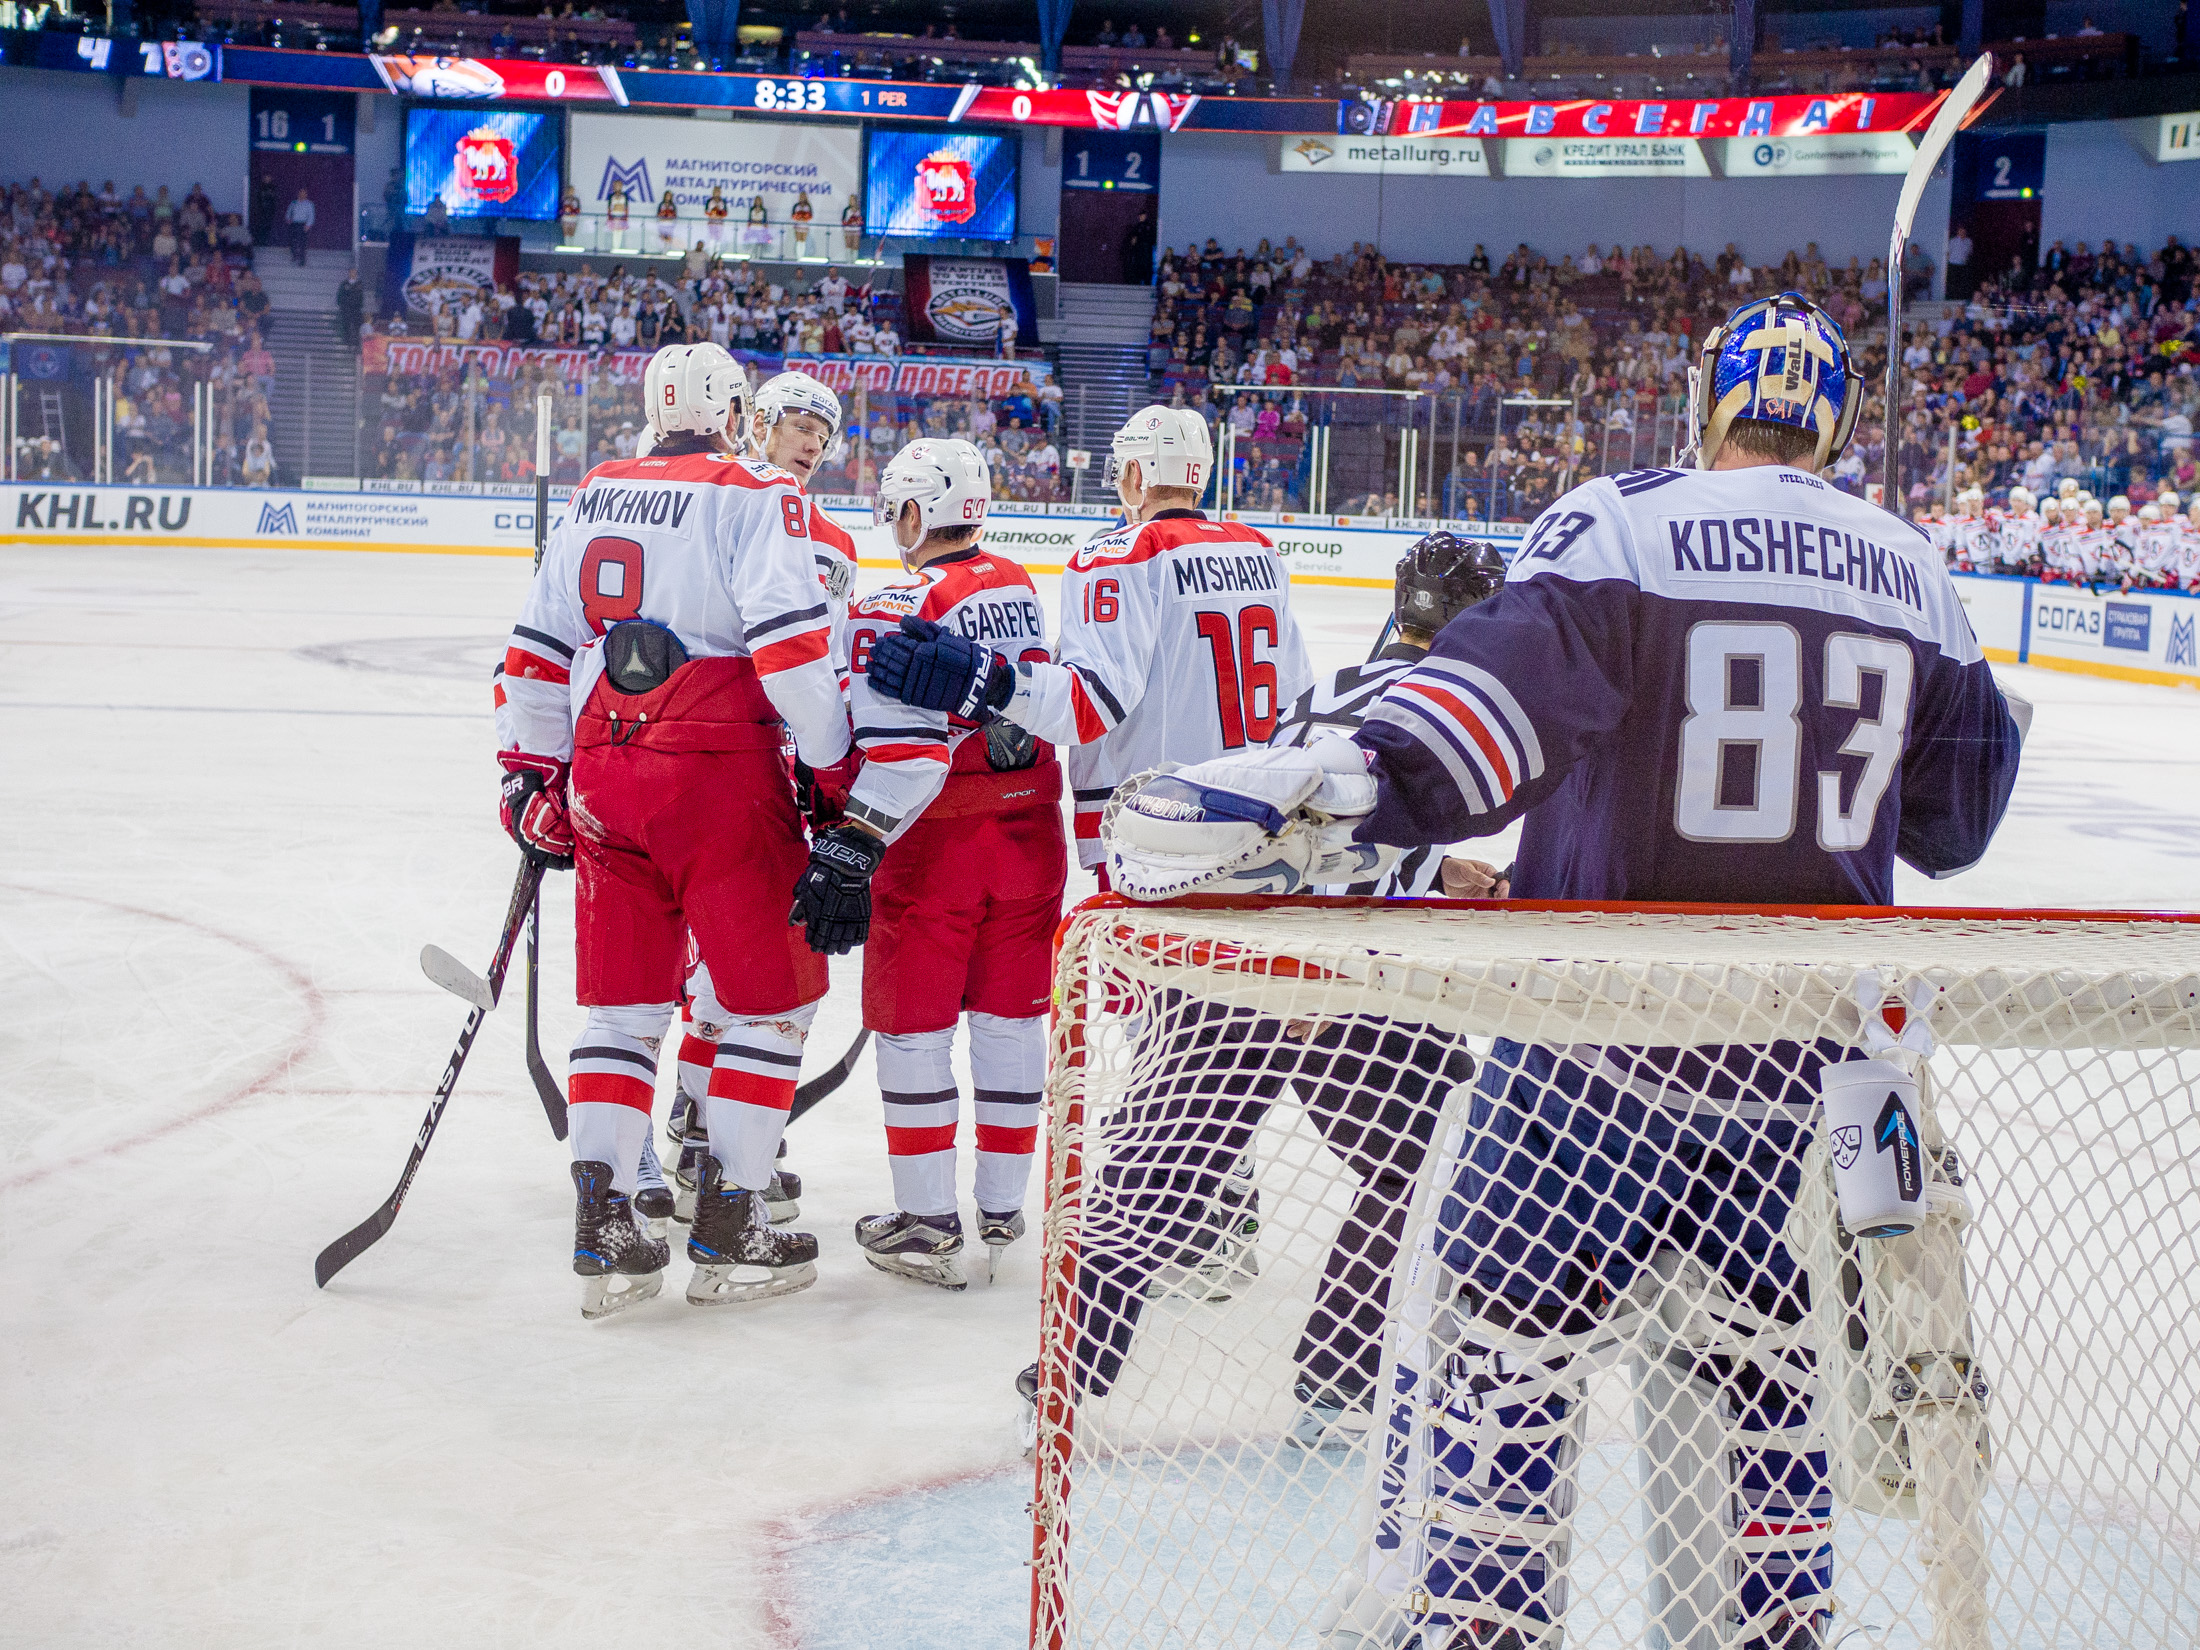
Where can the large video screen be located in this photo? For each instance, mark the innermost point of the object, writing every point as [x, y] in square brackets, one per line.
[959, 185]
[482, 163]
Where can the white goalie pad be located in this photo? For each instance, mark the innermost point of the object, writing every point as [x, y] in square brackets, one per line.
[1272, 821]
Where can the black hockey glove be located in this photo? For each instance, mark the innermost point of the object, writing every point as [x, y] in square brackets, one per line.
[832, 898]
[929, 666]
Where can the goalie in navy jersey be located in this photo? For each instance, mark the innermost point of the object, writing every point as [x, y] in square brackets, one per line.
[1731, 684]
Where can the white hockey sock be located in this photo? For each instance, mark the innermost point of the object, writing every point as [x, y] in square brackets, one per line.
[697, 1055]
[614, 1071]
[917, 1082]
[606, 1132]
[751, 1087]
[1008, 1063]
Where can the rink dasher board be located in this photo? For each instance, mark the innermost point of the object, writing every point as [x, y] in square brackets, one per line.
[1339, 550]
[2129, 636]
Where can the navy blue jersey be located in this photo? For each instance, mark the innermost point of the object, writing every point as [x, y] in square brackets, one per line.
[1740, 686]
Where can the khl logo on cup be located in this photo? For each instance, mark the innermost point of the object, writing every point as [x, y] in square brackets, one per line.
[1848, 1144]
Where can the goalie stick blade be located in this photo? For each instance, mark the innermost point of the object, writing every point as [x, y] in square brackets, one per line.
[456, 978]
[818, 1087]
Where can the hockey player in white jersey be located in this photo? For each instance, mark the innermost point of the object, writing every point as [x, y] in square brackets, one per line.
[1177, 638]
[674, 634]
[1733, 684]
[791, 423]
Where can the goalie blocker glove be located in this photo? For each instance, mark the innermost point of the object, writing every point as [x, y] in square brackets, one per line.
[929, 666]
[1274, 821]
[531, 807]
[832, 901]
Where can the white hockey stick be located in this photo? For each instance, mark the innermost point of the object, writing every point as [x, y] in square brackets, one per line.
[1955, 109]
[456, 978]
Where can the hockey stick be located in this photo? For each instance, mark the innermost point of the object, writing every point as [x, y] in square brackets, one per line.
[360, 1238]
[818, 1087]
[547, 1088]
[1390, 624]
[1955, 109]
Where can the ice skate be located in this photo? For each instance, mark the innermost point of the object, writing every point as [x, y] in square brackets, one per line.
[781, 1197]
[739, 1256]
[1326, 1422]
[653, 1200]
[1027, 1414]
[1232, 1225]
[618, 1265]
[997, 1232]
[921, 1248]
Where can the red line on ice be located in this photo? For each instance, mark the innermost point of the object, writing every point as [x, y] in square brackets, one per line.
[308, 1035]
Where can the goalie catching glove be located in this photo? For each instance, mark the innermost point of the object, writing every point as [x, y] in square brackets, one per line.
[1258, 822]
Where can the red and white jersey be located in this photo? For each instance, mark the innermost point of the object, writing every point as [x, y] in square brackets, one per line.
[2155, 557]
[907, 752]
[2093, 552]
[2059, 548]
[1177, 644]
[2188, 555]
[719, 550]
[2018, 539]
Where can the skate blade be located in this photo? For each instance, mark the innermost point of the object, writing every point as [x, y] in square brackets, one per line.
[724, 1286]
[1027, 1430]
[1210, 1284]
[1330, 1437]
[599, 1300]
[941, 1273]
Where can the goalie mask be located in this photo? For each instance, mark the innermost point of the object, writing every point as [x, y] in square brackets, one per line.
[696, 389]
[1170, 446]
[946, 480]
[1442, 576]
[1780, 360]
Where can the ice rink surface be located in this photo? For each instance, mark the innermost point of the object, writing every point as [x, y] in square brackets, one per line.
[246, 787]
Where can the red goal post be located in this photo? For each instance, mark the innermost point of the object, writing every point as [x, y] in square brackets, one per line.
[1173, 1509]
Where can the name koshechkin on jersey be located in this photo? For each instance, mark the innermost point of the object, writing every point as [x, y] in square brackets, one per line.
[1741, 686]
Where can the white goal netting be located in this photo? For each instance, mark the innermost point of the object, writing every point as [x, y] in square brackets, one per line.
[1480, 1278]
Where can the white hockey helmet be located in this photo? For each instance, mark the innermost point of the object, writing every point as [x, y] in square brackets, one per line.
[2167, 499]
[2021, 499]
[696, 389]
[2093, 510]
[2119, 506]
[1170, 445]
[2067, 487]
[947, 480]
[793, 392]
[2150, 513]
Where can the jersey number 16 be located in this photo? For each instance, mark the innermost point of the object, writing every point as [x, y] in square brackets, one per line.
[1245, 684]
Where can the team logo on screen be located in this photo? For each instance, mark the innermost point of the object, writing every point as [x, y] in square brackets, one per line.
[441, 76]
[947, 188]
[488, 169]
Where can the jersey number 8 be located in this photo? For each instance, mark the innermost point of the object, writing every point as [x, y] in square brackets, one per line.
[1741, 745]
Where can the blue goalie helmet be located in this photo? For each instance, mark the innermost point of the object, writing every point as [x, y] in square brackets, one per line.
[1780, 360]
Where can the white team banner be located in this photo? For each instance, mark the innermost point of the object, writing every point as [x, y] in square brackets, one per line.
[2176, 137]
[1605, 157]
[1346, 550]
[1820, 155]
[653, 154]
[1435, 157]
[224, 517]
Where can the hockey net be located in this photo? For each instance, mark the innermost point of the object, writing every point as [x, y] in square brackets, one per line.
[1419, 1274]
